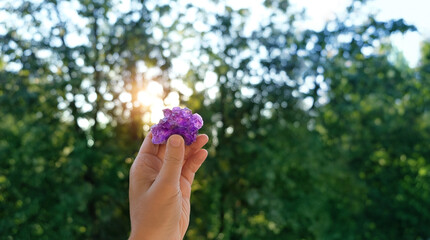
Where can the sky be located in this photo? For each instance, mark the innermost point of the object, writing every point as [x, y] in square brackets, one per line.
[319, 11]
[414, 12]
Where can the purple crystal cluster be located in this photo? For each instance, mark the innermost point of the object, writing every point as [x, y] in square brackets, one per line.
[179, 121]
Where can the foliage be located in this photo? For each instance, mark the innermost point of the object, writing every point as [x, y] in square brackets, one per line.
[67, 138]
[314, 134]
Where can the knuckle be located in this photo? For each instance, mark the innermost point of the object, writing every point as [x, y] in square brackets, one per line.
[173, 159]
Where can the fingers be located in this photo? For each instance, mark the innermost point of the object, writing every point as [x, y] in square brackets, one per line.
[161, 151]
[148, 146]
[193, 164]
[189, 170]
[172, 166]
[201, 140]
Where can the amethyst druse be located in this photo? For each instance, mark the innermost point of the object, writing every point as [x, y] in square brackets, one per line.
[179, 121]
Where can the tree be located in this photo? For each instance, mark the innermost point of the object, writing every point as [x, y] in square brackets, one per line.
[374, 125]
[68, 135]
[265, 82]
[314, 134]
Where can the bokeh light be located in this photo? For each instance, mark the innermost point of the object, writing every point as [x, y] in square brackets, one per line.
[151, 98]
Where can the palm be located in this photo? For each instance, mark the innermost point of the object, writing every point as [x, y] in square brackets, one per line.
[154, 163]
[149, 167]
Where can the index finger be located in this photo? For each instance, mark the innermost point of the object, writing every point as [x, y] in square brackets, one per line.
[147, 146]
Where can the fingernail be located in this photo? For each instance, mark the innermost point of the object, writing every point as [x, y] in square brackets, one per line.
[175, 141]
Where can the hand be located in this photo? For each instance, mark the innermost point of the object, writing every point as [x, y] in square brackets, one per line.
[160, 187]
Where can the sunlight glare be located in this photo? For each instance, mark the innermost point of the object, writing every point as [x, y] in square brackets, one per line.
[151, 98]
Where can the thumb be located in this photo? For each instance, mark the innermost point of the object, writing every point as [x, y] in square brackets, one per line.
[170, 172]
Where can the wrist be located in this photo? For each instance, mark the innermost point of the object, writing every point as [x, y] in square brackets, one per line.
[141, 236]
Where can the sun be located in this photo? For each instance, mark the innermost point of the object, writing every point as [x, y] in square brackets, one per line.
[152, 98]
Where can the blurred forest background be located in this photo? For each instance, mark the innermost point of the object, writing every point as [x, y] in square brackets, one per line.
[314, 134]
